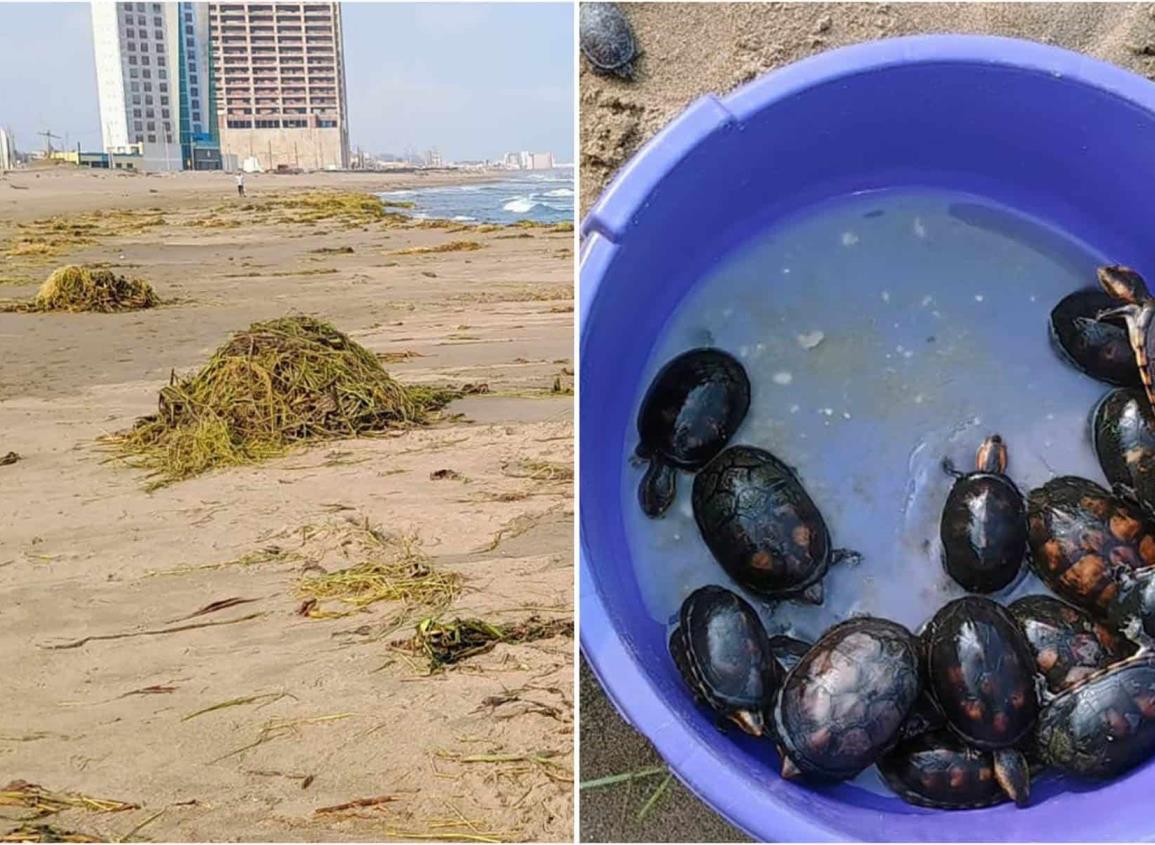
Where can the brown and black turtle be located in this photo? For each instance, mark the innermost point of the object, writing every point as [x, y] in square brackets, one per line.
[1083, 540]
[982, 673]
[762, 526]
[721, 649]
[1123, 436]
[690, 411]
[937, 769]
[1067, 643]
[1104, 725]
[984, 523]
[1097, 347]
[842, 706]
[1137, 311]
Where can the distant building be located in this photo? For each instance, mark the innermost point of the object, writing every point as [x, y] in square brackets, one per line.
[540, 161]
[7, 151]
[279, 73]
[433, 158]
[154, 81]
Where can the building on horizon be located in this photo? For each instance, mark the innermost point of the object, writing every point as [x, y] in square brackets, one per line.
[154, 81]
[7, 150]
[279, 77]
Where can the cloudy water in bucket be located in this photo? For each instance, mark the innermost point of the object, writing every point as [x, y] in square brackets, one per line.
[541, 196]
[881, 333]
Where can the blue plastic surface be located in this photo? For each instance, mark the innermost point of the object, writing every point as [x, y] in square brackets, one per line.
[1061, 137]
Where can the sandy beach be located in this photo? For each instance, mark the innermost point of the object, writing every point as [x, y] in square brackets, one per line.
[202, 696]
[692, 49]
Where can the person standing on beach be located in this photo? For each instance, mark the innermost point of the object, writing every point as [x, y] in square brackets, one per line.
[240, 184]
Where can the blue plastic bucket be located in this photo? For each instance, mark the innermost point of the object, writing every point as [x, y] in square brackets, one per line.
[1061, 137]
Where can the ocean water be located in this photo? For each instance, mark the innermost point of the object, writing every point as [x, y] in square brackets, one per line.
[881, 334]
[541, 196]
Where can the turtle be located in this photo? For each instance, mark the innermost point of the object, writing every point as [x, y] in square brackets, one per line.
[984, 523]
[1104, 725]
[1099, 348]
[1083, 540]
[982, 673]
[1123, 436]
[937, 769]
[692, 407]
[1067, 643]
[606, 39]
[722, 652]
[761, 525]
[1137, 310]
[841, 707]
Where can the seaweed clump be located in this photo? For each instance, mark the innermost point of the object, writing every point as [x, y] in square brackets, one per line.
[446, 643]
[271, 386]
[79, 288]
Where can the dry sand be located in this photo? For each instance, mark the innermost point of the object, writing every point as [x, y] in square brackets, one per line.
[85, 551]
[694, 49]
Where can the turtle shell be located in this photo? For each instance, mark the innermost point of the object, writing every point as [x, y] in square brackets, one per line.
[1067, 643]
[760, 523]
[1099, 348]
[721, 649]
[984, 531]
[1123, 434]
[923, 717]
[982, 672]
[691, 409]
[1082, 539]
[606, 38]
[1104, 725]
[842, 706]
[937, 769]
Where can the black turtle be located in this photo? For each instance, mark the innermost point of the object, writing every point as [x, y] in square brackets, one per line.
[1088, 545]
[606, 39]
[1098, 348]
[693, 406]
[937, 769]
[842, 706]
[982, 673]
[1137, 311]
[721, 649]
[1123, 435]
[1104, 725]
[984, 523]
[1067, 643]
[762, 526]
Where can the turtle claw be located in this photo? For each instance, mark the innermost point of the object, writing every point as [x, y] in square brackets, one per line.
[949, 468]
[789, 770]
[749, 721]
[813, 594]
[847, 556]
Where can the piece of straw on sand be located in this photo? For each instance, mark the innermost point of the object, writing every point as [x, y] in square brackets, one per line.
[277, 383]
[446, 643]
[80, 288]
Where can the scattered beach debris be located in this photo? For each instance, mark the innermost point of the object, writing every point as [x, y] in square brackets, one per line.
[446, 643]
[9, 459]
[388, 567]
[355, 804]
[80, 288]
[333, 250]
[28, 832]
[45, 802]
[277, 383]
[150, 632]
[449, 246]
[445, 475]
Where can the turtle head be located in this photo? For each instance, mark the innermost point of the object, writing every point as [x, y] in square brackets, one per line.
[992, 455]
[1124, 284]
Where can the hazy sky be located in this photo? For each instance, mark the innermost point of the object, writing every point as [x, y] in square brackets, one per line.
[474, 80]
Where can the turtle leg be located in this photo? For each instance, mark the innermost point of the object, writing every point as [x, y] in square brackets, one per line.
[657, 488]
[949, 468]
[749, 721]
[1013, 775]
[845, 556]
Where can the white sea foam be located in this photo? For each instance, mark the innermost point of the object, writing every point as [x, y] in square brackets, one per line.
[520, 205]
[560, 192]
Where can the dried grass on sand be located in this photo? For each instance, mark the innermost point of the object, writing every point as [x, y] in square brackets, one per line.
[79, 288]
[276, 384]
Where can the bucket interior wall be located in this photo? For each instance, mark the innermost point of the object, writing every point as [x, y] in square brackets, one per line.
[1078, 157]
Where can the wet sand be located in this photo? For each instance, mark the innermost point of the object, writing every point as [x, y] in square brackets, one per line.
[322, 712]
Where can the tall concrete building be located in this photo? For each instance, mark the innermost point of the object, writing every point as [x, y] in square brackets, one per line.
[279, 71]
[154, 78]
